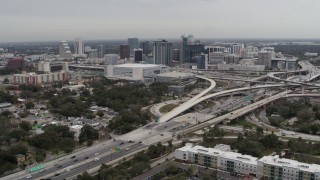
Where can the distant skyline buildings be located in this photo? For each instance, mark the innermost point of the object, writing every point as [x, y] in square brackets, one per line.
[101, 51]
[133, 44]
[163, 52]
[64, 50]
[145, 46]
[138, 55]
[124, 51]
[78, 46]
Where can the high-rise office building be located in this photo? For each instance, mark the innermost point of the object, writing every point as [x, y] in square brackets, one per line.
[176, 55]
[145, 46]
[237, 49]
[93, 53]
[215, 49]
[185, 42]
[87, 49]
[163, 52]
[133, 44]
[138, 54]
[264, 58]
[192, 51]
[78, 46]
[64, 50]
[124, 52]
[101, 51]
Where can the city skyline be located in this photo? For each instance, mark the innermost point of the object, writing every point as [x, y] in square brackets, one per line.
[38, 20]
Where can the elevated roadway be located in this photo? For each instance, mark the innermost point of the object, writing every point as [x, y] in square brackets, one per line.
[176, 111]
[242, 80]
[180, 109]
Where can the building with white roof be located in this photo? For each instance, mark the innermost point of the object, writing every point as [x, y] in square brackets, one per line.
[271, 167]
[134, 72]
[274, 167]
[238, 163]
[77, 130]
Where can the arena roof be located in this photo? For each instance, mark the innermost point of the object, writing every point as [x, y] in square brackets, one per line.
[136, 65]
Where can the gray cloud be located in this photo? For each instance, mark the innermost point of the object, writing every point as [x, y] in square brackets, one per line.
[24, 20]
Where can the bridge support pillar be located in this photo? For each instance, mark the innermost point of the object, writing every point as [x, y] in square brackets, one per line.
[303, 89]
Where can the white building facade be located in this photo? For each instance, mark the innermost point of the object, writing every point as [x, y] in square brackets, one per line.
[134, 72]
[269, 167]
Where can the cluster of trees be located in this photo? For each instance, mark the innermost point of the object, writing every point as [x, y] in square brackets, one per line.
[7, 157]
[68, 106]
[13, 137]
[255, 143]
[212, 133]
[155, 151]
[305, 113]
[172, 172]
[128, 120]
[127, 99]
[88, 134]
[286, 109]
[6, 97]
[55, 138]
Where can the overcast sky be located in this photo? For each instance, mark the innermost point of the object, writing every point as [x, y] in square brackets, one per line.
[32, 20]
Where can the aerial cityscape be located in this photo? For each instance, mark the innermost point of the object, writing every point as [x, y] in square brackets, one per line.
[150, 90]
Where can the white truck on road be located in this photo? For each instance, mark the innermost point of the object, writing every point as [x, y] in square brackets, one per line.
[284, 133]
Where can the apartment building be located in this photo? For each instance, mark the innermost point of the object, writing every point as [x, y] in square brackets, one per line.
[270, 167]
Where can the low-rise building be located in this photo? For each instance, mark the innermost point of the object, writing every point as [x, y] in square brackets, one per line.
[77, 130]
[274, 167]
[134, 72]
[34, 78]
[74, 87]
[269, 167]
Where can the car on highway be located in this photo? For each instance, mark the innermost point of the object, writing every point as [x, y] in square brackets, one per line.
[131, 141]
[161, 134]
[75, 160]
[73, 157]
[127, 149]
[96, 159]
[60, 166]
[96, 154]
[86, 157]
[121, 143]
[28, 177]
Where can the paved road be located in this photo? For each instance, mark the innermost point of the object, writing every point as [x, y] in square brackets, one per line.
[92, 163]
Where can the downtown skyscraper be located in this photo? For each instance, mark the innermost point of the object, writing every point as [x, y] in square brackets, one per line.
[78, 46]
[163, 52]
[133, 44]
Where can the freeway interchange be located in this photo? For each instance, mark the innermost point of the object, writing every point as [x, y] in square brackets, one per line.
[168, 127]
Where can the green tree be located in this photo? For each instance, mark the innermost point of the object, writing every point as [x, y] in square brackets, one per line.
[100, 113]
[85, 176]
[85, 93]
[29, 105]
[213, 133]
[270, 140]
[26, 126]
[88, 133]
[304, 115]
